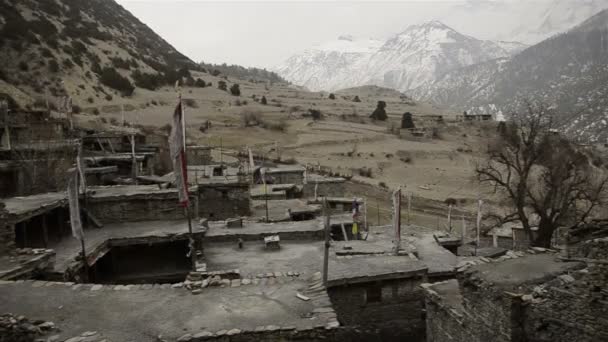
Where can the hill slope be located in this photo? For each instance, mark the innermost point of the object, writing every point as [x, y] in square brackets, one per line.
[93, 50]
[569, 71]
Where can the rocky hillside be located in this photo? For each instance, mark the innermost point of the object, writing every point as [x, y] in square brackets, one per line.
[420, 54]
[569, 71]
[93, 50]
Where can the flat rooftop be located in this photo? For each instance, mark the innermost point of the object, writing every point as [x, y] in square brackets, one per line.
[361, 269]
[136, 313]
[439, 260]
[34, 204]
[304, 257]
[526, 270]
[68, 248]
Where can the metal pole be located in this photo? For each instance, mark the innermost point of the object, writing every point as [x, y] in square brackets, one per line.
[326, 249]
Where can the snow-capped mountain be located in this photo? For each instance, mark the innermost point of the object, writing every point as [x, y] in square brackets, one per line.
[420, 54]
[568, 71]
[330, 65]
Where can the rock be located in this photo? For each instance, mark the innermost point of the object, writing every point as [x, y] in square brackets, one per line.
[246, 281]
[47, 326]
[235, 283]
[278, 274]
[203, 334]
[88, 333]
[233, 332]
[205, 283]
[96, 287]
[185, 338]
[566, 278]
[225, 282]
[196, 291]
[75, 339]
[177, 286]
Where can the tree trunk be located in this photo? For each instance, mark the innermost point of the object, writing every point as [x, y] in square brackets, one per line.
[545, 233]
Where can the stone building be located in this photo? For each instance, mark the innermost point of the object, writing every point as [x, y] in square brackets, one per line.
[533, 296]
[379, 293]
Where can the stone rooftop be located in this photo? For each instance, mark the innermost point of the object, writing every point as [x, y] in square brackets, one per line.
[19, 208]
[529, 269]
[148, 311]
[68, 248]
[361, 269]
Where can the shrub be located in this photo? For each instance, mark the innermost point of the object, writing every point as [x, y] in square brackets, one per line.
[383, 185]
[76, 109]
[190, 103]
[95, 111]
[114, 121]
[380, 112]
[263, 100]
[280, 126]
[200, 83]
[114, 80]
[68, 64]
[235, 90]
[90, 100]
[108, 97]
[251, 118]
[332, 96]
[357, 99]
[221, 85]
[147, 81]
[407, 121]
[365, 172]
[315, 114]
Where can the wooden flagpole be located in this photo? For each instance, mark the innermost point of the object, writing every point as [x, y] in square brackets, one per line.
[191, 243]
[326, 247]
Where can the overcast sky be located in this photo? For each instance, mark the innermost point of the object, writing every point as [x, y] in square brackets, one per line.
[264, 34]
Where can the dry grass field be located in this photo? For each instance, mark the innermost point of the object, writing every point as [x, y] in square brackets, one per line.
[345, 140]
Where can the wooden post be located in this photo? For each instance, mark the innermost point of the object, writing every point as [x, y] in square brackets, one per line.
[343, 231]
[326, 249]
[463, 233]
[134, 165]
[397, 219]
[409, 207]
[450, 218]
[266, 199]
[478, 225]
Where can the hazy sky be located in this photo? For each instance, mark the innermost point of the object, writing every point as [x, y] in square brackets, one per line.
[263, 34]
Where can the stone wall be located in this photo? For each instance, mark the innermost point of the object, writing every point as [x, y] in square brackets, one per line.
[136, 208]
[570, 308]
[393, 307]
[220, 202]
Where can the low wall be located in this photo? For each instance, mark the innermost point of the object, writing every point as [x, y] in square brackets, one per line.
[220, 202]
[393, 308]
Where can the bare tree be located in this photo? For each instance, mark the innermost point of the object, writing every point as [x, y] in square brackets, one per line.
[546, 178]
